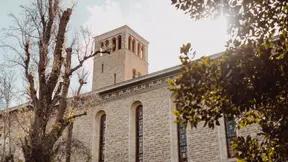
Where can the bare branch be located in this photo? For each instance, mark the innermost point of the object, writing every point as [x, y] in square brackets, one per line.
[56, 131]
[28, 74]
[82, 79]
[4, 45]
[76, 116]
[58, 60]
[86, 58]
[66, 83]
[40, 5]
[33, 18]
[52, 13]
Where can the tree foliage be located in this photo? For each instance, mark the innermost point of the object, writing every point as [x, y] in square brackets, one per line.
[248, 81]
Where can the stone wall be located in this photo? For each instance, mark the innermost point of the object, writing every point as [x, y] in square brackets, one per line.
[156, 124]
[112, 64]
[160, 131]
[18, 126]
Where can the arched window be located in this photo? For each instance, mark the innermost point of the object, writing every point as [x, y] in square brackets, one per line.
[107, 43]
[129, 43]
[119, 42]
[142, 52]
[139, 49]
[102, 138]
[136, 132]
[113, 44]
[139, 133]
[114, 78]
[182, 142]
[230, 127]
[133, 45]
[102, 45]
[134, 73]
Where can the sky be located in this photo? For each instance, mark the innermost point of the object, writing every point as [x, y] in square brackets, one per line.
[165, 27]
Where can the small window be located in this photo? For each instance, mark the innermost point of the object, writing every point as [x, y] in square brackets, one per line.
[102, 44]
[114, 78]
[142, 52]
[182, 142]
[134, 73]
[119, 42]
[139, 49]
[102, 68]
[129, 43]
[102, 138]
[114, 44]
[106, 43]
[133, 45]
[230, 127]
[139, 133]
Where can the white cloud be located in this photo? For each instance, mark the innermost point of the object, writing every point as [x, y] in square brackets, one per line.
[104, 17]
[162, 25]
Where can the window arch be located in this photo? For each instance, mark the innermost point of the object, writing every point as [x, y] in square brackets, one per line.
[230, 129]
[129, 43]
[113, 44]
[133, 45]
[102, 45]
[134, 73]
[102, 138]
[119, 42]
[182, 142]
[139, 49]
[107, 43]
[136, 132]
[179, 139]
[99, 138]
[142, 52]
[139, 133]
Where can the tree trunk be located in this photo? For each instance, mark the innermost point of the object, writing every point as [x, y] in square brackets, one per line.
[37, 155]
[4, 137]
[9, 137]
[69, 143]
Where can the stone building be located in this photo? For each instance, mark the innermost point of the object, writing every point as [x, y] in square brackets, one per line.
[132, 119]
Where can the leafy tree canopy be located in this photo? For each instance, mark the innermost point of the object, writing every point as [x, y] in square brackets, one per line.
[249, 81]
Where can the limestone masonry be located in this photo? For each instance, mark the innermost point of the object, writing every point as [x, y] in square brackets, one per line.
[132, 117]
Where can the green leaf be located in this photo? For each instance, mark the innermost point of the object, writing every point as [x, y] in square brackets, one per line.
[206, 60]
[171, 82]
[176, 113]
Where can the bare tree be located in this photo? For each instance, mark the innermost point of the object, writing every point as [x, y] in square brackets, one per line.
[7, 93]
[43, 52]
[69, 148]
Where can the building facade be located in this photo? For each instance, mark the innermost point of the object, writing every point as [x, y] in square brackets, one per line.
[133, 120]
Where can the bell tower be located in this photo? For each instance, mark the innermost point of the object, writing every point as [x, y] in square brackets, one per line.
[128, 58]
